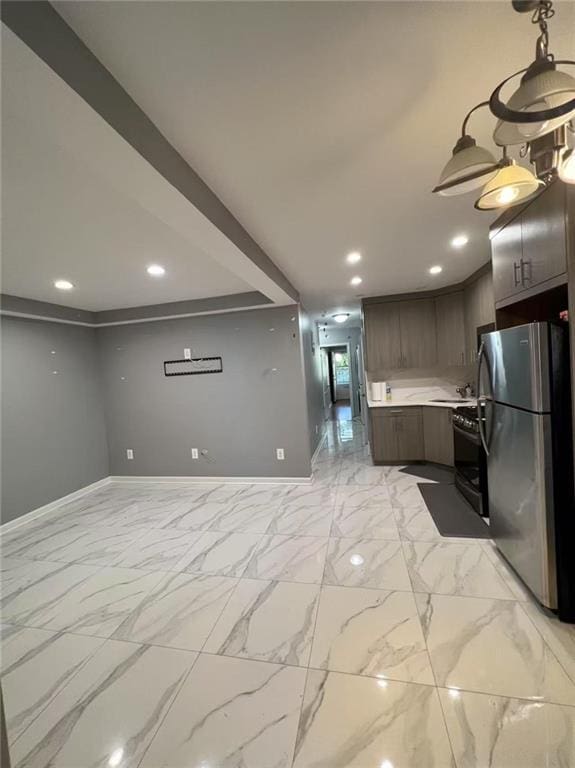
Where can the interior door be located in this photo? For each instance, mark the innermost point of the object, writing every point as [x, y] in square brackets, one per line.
[520, 496]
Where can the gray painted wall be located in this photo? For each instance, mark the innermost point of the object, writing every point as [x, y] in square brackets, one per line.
[239, 416]
[313, 380]
[53, 431]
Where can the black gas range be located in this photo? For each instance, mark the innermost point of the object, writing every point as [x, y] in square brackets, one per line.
[470, 459]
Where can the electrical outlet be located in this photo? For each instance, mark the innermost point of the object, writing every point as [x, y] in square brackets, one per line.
[188, 356]
[194, 453]
[130, 454]
[316, 428]
[280, 454]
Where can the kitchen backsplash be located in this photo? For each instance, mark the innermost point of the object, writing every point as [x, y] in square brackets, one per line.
[424, 383]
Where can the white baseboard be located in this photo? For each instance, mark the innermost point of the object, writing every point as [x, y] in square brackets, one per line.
[319, 445]
[193, 480]
[47, 508]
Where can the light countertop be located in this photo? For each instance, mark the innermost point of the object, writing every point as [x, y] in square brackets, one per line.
[401, 403]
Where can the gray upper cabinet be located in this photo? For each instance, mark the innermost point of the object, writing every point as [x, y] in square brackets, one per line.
[506, 258]
[531, 249]
[479, 311]
[543, 238]
[418, 333]
[450, 329]
[382, 336]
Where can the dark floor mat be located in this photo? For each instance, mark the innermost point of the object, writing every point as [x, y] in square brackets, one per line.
[429, 472]
[452, 515]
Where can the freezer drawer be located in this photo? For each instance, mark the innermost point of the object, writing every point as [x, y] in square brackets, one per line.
[521, 495]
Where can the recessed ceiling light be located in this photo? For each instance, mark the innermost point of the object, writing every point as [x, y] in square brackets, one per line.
[435, 270]
[341, 317]
[63, 285]
[459, 241]
[355, 280]
[356, 559]
[353, 257]
[156, 270]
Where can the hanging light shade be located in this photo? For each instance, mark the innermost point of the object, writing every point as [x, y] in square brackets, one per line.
[567, 167]
[468, 169]
[544, 101]
[511, 184]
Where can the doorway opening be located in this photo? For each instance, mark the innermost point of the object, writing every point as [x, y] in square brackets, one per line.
[339, 371]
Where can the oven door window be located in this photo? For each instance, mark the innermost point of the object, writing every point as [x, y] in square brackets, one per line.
[467, 456]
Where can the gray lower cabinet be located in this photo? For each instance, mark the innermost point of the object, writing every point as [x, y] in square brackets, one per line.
[412, 433]
[396, 435]
[438, 435]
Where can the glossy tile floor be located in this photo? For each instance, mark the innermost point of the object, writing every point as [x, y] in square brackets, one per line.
[324, 625]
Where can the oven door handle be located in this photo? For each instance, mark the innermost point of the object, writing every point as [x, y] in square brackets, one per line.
[481, 401]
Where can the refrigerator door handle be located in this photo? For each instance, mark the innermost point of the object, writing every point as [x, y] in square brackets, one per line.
[480, 401]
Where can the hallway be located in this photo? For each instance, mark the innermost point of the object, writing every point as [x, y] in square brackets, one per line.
[275, 625]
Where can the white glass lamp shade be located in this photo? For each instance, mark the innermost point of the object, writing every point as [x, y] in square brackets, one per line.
[510, 186]
[567, 167]
[551, 88]
[468, 169]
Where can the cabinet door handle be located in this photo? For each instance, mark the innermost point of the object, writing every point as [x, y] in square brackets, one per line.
[517, 268]
[523, 276]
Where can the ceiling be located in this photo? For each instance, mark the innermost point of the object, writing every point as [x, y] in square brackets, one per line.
[321, 126]
[324, 126]
[61, 220]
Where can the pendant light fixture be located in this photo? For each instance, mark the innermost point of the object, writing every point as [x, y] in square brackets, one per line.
[469, 167]
[511, 185]
[545, 100]
[567, 167]
[536, 117]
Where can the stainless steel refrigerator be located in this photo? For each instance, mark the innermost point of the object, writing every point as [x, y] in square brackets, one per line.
[526, 429]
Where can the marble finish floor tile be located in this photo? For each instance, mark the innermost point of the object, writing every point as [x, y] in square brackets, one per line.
[36, 665]
[370, 632]
[301, 520]
[30, 588]
[245, 516]
[364, 522]
[366, 563]
[500, 732]
[89, 511]
[158, 550]
[453, 569]
[358, 474]
[231, 712]
[179, 612]
[363, 496]
[289, 558]
[359, 722]
[31, 538]
[220, 554]
[17, 573]
[81, 599]
[560, 637]
[271, 494]
[109, 711]
[81, 544]
[403, 492]
[312, 495]
[151, 511]
[490, 646]
[198, 515]
[267, 620]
